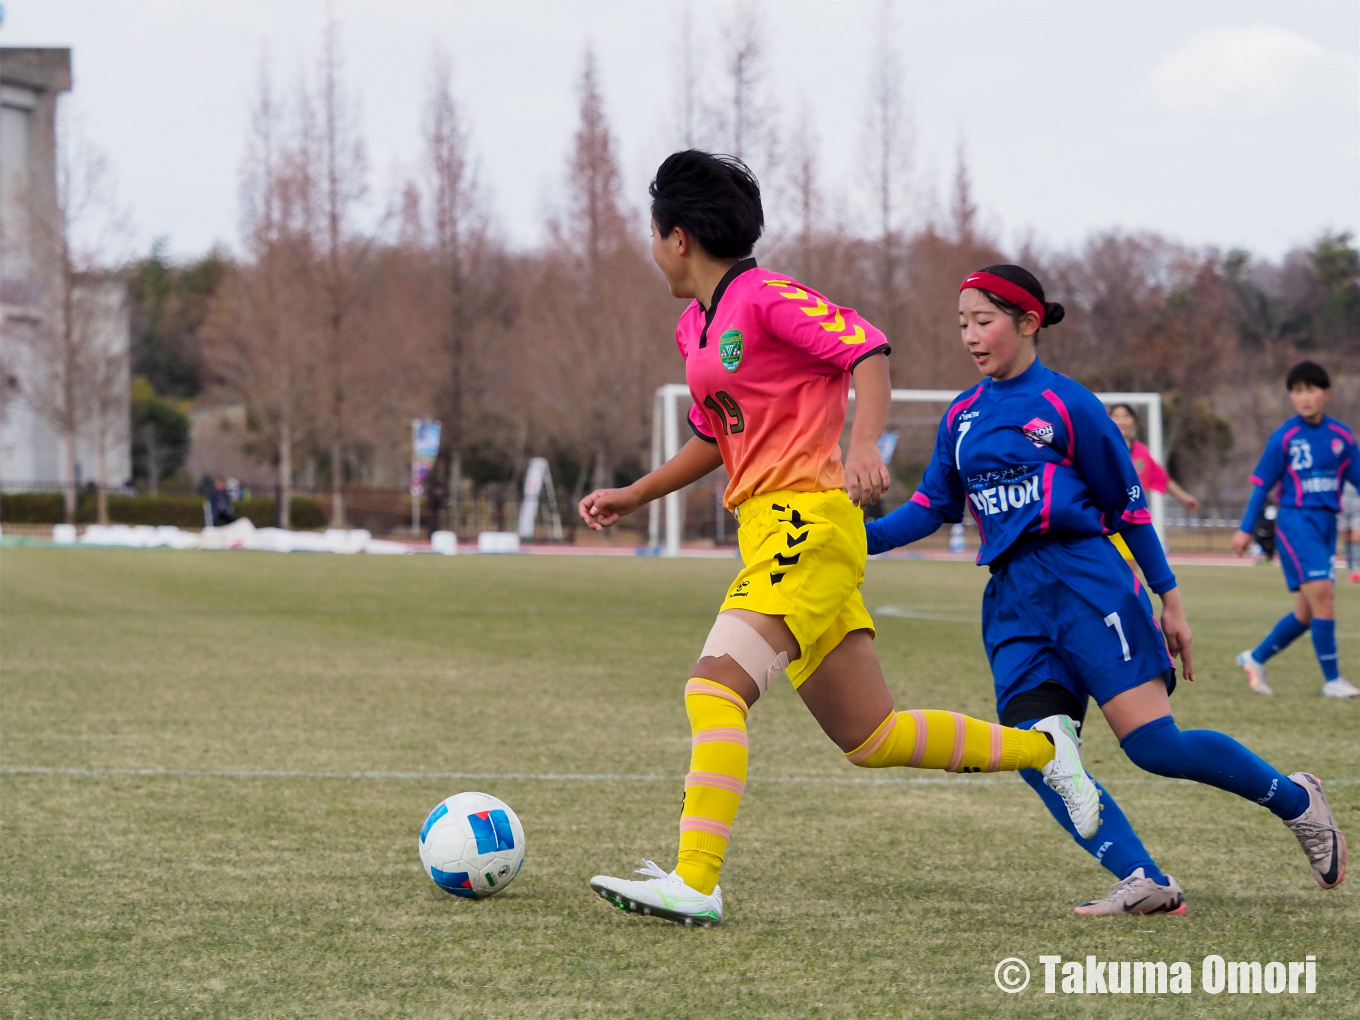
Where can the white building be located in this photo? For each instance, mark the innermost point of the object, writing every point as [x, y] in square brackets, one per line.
[31, 452]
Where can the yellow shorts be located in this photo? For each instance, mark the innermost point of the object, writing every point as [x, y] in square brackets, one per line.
[804, 558]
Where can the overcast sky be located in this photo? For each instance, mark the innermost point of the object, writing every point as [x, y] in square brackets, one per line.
[1225, 123]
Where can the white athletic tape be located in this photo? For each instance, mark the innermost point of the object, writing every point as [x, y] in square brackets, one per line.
[852, 779]
[733, 636]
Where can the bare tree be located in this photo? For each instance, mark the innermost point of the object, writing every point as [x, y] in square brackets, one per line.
[750, 112]
[76, 368]
[259, 333]
[888, 138]
[100, 307]
[330, 163]
[599, 309]
[806, 192]
[595, 179]
[688, 71]
[458, 238]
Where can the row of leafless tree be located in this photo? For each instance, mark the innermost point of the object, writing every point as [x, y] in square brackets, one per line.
[334, 335]
[335, 327]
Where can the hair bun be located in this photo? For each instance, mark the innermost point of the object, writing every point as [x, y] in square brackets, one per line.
[1053, 313]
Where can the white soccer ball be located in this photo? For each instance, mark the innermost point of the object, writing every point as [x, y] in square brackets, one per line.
[472, 845]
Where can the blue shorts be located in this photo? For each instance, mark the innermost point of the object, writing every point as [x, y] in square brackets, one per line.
[1306, 540]
[1071, 611]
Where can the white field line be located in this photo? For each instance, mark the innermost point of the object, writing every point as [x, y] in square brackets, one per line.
[943, 779]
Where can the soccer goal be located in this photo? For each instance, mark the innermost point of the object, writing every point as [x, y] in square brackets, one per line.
[669, 432]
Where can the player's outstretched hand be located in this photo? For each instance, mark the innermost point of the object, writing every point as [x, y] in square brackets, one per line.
[604, 507]
[1241, 542]
[866, 476]
[1177, 631]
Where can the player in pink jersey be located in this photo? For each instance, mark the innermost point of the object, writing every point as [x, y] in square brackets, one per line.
[769, 363]
[1153, 476]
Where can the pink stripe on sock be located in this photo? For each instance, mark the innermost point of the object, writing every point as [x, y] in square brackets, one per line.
[698, 685]
[693, 823]
[716, 781]
[959, 733]
[918, 746]
[994, 755]
[875, 742]
[720, 735]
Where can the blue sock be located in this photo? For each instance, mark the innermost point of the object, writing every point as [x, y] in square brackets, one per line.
[1324, 643]
[1116, 846]
[1215, 759]
[1285, 633]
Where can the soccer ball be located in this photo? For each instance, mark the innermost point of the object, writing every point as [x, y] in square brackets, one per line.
[472, 845]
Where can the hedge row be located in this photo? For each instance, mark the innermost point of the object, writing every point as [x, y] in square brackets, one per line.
[183, 511]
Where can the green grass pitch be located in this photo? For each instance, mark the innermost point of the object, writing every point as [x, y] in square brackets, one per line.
[189, 894]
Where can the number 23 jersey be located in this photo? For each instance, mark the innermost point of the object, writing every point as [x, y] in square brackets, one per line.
[768, 366]
[1311, 463]
[1036, 456]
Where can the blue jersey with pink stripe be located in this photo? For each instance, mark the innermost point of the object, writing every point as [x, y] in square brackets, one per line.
[1310, 462]
[1034, 457]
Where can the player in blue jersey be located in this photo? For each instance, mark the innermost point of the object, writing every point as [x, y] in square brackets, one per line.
[1036, 460]
[1310, 457]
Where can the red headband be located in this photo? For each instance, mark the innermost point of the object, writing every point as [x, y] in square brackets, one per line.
[1003, 288]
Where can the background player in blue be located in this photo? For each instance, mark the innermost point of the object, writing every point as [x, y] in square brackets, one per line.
[1310, 457]
[1036, 460]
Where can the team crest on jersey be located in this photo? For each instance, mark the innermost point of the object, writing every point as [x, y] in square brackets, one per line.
[1038, 432]
[729, 349]
[1338, 446]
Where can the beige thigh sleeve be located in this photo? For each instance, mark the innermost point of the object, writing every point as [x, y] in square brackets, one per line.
[733, 636]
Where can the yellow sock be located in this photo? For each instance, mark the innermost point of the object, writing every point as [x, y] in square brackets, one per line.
[716, 780]
[950, 741]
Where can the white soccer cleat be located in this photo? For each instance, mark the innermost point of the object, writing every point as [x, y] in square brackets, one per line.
[1318, 834]
[661, 895]
[1138, 894]
[1066, 777]
[1340, 688]
[1256, 673]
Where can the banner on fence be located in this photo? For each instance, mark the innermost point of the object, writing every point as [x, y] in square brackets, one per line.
[424, 450]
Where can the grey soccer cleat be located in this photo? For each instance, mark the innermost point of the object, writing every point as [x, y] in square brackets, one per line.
[1256, 673]
[1318, 834]
[661, 895]
[1340, 688]
[1138, 894]
[1065, 776]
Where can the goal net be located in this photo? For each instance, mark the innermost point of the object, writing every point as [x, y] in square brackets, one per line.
[694, 515]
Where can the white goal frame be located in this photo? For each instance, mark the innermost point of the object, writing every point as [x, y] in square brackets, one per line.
[673, 399]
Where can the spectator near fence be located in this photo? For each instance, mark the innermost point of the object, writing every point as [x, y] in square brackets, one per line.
[218, 508]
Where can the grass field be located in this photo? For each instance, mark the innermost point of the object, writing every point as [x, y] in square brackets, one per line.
[217, 889]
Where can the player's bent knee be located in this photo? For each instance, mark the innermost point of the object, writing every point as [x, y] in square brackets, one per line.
[734, 637]
[1156, 747]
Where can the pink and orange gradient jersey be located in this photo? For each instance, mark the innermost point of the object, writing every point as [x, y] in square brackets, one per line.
[769, 369]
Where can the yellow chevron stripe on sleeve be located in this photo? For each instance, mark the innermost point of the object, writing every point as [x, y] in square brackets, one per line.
[818, 309]
[835, 326]
[857, 337]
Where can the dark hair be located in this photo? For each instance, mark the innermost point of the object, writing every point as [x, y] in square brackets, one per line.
[1308, 373]
[715, 198]
[1127, 407]
[1023, 278]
